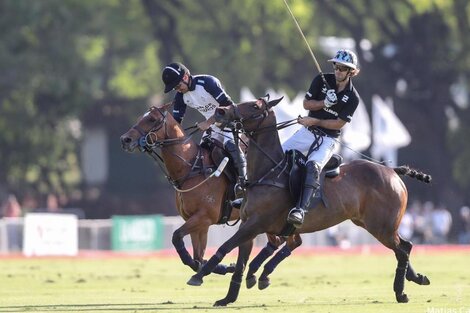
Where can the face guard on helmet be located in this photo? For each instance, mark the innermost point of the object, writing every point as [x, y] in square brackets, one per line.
[345, 57]
[172, 75]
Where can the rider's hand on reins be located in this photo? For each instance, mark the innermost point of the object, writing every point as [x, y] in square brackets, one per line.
[307, 121]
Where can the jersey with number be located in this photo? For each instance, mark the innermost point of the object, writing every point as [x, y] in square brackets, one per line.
[205, 95]
[348, 100]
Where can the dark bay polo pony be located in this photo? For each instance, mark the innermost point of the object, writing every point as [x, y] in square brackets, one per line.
[371, 195]
[186, 164]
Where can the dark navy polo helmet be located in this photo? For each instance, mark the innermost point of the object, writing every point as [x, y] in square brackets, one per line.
[172, 75]
[345, 57]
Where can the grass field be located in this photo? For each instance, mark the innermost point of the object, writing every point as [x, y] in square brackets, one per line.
[306, 283]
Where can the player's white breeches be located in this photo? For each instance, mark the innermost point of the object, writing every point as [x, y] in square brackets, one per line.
[303, 139]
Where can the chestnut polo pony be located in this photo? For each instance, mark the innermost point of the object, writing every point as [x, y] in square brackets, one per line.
[369, 194]
[199, 198]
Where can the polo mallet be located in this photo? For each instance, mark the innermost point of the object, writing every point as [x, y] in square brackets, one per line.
[308, 46]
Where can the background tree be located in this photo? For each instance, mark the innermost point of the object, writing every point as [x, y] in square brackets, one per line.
[69, 65]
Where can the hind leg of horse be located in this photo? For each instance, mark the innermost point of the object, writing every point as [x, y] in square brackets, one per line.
[273, 244]
[244, 251]
[404, 270]
[411, 275]
[247, 231]
[292, 243]
[400, 273]
[392, 240]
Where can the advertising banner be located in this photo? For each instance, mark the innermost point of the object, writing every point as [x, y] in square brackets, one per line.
[137, 233]
[47, 234]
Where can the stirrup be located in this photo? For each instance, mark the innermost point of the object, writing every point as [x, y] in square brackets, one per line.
[237, 203]
[296, 217]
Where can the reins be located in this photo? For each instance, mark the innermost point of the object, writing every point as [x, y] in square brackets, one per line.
[291, 122]
[258, 130]
[148, 142]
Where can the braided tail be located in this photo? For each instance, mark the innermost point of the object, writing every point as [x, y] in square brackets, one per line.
[407, 171]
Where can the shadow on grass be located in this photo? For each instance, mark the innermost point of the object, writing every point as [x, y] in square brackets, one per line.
[158, 307]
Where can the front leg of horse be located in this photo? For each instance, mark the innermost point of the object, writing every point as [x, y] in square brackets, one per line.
[199, 241]
[208, 267]
[184, 255]
[243, 234]
[235, 283]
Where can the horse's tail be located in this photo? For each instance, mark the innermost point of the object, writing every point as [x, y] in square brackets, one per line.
[407, 171]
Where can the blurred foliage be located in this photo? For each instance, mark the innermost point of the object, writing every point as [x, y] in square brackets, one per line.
[70, 64]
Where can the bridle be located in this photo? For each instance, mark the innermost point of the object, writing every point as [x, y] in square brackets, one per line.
[150, 139]
[238, 122]
[257, 116]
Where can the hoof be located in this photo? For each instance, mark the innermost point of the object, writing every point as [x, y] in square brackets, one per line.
[195, 280]
[425, 281]
[402, 298]
[221, 302]
[231, 268]
[250, 281]
[263, 283]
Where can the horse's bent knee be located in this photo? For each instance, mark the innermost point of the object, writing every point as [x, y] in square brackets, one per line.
[177, 240]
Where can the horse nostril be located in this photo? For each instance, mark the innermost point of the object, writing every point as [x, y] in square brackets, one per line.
[126, 139]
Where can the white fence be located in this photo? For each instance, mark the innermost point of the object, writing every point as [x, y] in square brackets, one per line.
[96, 235]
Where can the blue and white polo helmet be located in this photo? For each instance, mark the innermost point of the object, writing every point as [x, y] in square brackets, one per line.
[345, 57]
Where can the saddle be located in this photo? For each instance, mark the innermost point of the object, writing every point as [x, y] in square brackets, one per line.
[217, 153]
[296, 167]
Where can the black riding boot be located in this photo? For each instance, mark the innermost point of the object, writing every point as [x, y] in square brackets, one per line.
[239, 160]
[311, 185]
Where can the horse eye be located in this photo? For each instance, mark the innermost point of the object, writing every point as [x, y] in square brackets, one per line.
[152, 119]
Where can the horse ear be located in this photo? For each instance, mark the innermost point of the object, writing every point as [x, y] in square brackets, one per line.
[274, 102]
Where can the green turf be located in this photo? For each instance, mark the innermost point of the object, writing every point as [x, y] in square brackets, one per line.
[324, 283]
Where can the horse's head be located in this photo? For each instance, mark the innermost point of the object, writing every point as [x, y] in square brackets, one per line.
[250, 113]
[148, 129]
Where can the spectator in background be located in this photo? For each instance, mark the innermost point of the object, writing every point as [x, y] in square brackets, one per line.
[406, 228]
[419, 221]
[425, 218]
[11, 207]
[29, 203]
[464, 234]
[55, 204]
[52, 203]
[441, 221]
